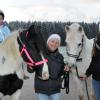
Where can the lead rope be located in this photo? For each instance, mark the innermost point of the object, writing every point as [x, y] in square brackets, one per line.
[85, 83]
[66, 81]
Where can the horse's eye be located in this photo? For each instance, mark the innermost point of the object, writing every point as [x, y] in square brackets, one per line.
[79, 44]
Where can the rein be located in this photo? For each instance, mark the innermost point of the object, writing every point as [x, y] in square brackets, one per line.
[31, 62]
[85, 83]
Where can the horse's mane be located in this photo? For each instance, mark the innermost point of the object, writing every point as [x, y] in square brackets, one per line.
[10, 38]
[41, 43]
[10, 45]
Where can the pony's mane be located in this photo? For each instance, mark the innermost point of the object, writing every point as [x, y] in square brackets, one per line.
[11, 37]
[10, 45]
[42, 43]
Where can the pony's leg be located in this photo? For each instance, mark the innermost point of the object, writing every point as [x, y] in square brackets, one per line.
[79, 85]
[90, 89]
[24, 66]
[16, 95]
[20, 72]
[20, 75]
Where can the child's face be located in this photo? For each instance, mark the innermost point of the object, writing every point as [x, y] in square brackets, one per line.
[53, 44]
[1, 20]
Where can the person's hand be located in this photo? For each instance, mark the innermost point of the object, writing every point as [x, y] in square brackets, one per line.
[83, 77]
[66, 68]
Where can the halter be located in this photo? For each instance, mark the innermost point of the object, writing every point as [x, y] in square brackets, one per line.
[76, 56]
[24, 50]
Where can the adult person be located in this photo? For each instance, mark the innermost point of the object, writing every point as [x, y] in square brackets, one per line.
[50, 89]
[94, 68]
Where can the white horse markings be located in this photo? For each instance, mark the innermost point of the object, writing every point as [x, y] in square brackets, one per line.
[79, 49]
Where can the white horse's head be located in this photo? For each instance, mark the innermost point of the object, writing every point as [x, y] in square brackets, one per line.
[74, 42]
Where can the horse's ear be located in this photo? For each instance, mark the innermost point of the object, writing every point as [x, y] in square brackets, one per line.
[31, 32]
[67, 28]
[31, 29]
[80, 28]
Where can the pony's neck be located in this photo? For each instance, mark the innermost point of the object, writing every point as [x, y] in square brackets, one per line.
[87, 47]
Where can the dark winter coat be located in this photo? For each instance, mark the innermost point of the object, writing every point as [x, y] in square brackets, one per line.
[56, 68]
[94, 67]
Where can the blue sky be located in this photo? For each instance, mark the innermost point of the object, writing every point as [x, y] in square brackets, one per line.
[51, 10]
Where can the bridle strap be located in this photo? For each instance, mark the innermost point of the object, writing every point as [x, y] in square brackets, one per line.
[32, 63]
[41, 62]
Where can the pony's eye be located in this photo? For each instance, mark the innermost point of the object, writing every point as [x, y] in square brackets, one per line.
[79, 44]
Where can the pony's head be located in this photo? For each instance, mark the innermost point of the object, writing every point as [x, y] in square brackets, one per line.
[33, 42]
[33, 47]
[74, 42]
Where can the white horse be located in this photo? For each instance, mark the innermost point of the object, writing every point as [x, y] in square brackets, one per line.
[79, 49]
[13, 52]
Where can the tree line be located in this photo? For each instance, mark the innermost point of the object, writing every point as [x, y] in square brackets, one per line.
[47, 28]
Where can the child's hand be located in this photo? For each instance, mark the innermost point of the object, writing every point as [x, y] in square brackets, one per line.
[83, 77]
[66, 68]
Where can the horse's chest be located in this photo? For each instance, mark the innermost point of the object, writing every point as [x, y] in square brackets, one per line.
[8, 65]
[83, 65]
[10, 84]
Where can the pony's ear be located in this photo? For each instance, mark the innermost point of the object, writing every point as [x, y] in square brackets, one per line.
[80, 28]
[67, 28]
[31, 29]
[31, 32]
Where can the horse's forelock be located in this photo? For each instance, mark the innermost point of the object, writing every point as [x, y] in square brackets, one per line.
[67, 28]
[32, 32]
[75, 35]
